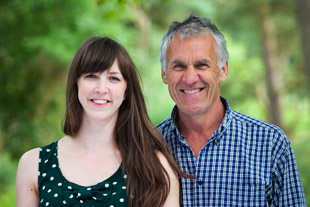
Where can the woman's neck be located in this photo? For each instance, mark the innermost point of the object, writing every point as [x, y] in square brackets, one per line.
[97, 134]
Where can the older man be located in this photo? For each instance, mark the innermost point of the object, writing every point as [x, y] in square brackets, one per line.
[237, 160]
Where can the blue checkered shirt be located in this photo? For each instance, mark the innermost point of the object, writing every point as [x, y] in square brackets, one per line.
[245, 163]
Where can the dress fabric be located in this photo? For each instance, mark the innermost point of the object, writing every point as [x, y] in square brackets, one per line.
[56, 190]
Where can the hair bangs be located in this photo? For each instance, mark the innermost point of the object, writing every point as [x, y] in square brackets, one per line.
[98, 57]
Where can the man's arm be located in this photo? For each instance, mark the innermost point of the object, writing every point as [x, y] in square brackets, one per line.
[288, 189]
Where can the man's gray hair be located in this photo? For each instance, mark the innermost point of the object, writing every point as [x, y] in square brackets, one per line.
[191, 26]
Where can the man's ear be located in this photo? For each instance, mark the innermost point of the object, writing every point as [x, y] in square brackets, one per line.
[224, 72]
[163, 76]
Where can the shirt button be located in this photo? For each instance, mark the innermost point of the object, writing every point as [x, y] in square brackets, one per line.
[200, 182]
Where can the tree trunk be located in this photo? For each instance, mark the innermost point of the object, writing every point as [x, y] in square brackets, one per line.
[143, 22]
[303, 14]
[269, 45]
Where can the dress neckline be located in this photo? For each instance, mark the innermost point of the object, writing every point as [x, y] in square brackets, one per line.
[117, 173]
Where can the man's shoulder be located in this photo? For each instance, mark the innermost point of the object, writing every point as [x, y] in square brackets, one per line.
[165, 125]
[240, 119]
[248, 122]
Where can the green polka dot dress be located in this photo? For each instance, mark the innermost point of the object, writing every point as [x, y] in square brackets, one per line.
[55, 190]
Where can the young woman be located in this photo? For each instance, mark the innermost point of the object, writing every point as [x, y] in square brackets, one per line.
[111, 155]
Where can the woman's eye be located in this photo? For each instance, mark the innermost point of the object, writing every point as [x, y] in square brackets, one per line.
[114, 78]
[90, 76]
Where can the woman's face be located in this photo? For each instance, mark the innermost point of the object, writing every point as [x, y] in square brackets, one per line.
[102, 93]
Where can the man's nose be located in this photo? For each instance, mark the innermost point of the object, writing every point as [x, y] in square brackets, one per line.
[190, 76]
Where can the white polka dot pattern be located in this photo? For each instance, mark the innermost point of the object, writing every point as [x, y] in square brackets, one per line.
[55, 190]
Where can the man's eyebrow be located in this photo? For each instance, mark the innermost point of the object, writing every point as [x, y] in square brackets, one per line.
[202, 61]
[177, 61]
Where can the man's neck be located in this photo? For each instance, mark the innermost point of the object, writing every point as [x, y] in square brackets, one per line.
[198, 129]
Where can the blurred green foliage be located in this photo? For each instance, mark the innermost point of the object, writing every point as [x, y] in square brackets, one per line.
[7, 180]
[7, 198]
[7, 172]
[39, 39]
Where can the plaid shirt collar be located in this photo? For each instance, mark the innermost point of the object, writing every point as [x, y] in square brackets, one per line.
[216, 136]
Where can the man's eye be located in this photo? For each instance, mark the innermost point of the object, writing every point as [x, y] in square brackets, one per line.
[178, 67]
[202, 66]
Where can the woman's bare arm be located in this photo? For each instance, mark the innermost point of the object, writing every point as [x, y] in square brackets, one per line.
[173, 198]
[27, 194]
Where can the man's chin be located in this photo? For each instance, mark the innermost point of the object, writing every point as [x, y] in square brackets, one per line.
[192, 110]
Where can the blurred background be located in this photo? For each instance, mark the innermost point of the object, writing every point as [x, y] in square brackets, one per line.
[269, 66]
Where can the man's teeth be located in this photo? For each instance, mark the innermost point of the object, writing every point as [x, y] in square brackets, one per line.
[191, 91]
[97, 101]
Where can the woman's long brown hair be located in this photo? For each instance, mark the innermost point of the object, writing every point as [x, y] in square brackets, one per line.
[148, 183]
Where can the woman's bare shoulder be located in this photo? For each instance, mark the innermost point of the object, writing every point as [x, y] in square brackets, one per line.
[28, 164]
[30, 156]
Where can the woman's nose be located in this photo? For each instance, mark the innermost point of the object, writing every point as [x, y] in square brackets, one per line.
[102, 86]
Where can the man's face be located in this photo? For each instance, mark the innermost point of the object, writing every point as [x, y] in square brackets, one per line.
[192, 74]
